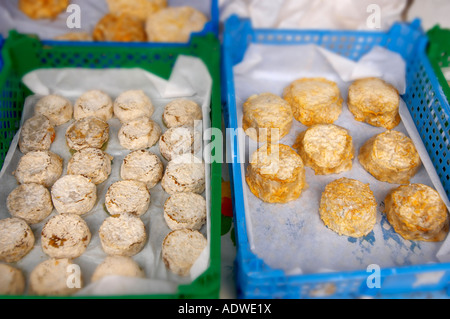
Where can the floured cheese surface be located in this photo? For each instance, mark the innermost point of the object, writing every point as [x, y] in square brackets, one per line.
[88, 131]
[132, 104]
[139, 133]
[93, 103]
[56, 108]
[181, 112]
[12, 280]
[185, 210]
[92, 163]
[50, 277]
[184, 173]
[41, 167]
[16, 239]
[65, 236]
[36, 134]
[181, 248]
[127, 197]
[144, 166]
[122, 235]
[31, 202]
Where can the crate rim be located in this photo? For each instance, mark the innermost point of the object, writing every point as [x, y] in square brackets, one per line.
[245, 254]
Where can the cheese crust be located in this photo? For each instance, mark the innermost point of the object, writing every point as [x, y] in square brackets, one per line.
[174, 24]
[185, 210]
[43, 9]
[41, 167]
[181, 248]
[122, 235]
[417, 212]
[184, 173]
[56, 108]
[93, 103]
[16, 239]
[375, 102]
[87, 132]
[50, 277]
[139, 133]
[117, 266]
[120, 27]
[132, 104]
[348, 207]
[12, 280]
[314, 100]
[36, 134]
[127, 197]
[276, 174]
[390, 157]
[92, 163]
[74, 194]
[65, 236]
[326, 148]
[267, 117]
[178, 140]
[31, 202]
[140, 9]
[144, 166]
[180, 112]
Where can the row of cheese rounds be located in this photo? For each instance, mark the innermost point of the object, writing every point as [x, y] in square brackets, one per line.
[66, 236]
[127, 21]
[276, 172]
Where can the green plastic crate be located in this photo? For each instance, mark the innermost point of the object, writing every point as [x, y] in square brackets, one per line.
[438, 52]
[23, 53]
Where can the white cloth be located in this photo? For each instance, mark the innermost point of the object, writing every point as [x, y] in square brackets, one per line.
[314, 14]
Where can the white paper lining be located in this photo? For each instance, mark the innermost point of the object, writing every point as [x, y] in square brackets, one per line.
[291, 236]
[190, 74]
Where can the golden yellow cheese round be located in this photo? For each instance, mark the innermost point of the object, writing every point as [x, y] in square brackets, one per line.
[348, 207]
[390, 157]
[326, 148]
[267, 117]
[314, 100]
[119, 28]
[417, 212]
[276, 174]
[43, 9]
[137, 8]
[375, 102]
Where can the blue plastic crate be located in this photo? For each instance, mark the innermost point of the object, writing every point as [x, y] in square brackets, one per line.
[430, 112]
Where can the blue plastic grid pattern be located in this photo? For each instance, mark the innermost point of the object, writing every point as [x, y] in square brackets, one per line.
[430, 111]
